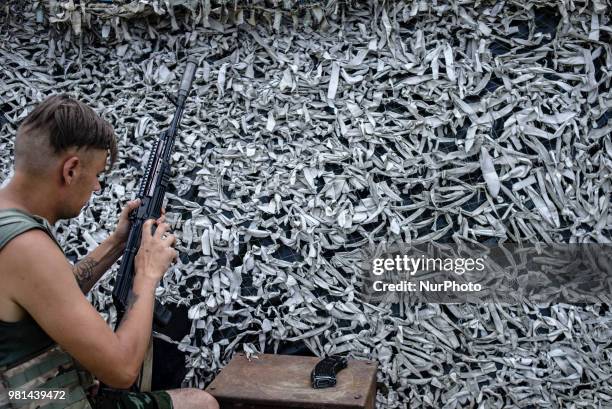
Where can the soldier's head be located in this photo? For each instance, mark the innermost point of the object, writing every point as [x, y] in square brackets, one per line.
[65, 143]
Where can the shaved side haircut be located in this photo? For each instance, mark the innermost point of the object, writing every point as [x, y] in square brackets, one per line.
[59, 123]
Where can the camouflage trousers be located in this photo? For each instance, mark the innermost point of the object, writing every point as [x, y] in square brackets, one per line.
[131, 400]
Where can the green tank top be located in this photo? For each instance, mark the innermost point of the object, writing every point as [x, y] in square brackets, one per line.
[21, 339]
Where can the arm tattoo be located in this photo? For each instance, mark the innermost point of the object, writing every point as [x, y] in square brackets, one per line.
[84, 272]
[132, 298]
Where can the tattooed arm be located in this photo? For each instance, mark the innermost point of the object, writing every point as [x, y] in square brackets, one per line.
[89, 270]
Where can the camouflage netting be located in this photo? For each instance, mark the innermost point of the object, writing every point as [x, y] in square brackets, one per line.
[114, 16]
[372, 124]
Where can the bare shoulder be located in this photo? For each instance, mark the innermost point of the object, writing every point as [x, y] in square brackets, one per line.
[40, 281]
[28, 261]
[32, 256]
[34, 242]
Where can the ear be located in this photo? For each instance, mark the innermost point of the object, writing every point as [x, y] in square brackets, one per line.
[70, 169]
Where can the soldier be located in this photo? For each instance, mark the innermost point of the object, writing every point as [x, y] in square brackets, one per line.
[61, 148]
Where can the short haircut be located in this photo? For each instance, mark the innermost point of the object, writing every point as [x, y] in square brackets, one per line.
[58, 123]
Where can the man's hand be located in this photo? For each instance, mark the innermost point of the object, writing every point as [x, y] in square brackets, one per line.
[156, 251]
[123, 225]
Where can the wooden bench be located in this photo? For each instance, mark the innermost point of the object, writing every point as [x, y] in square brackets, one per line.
[283, 381]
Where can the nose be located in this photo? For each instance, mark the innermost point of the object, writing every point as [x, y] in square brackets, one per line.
[98, 187]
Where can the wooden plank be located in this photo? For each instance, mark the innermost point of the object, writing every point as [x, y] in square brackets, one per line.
[273, 381]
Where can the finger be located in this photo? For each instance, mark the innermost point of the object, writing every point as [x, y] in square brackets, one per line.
[147, 226]
[170, 239]
[161, 220]
[133, 204]
[161, 229]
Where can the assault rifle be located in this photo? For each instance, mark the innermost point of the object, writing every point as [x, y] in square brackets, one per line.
[151, 194]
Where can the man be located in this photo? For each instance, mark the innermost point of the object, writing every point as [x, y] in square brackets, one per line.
[61, 148]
